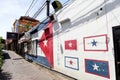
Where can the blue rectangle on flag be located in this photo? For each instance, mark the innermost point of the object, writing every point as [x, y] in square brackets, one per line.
[97, 67]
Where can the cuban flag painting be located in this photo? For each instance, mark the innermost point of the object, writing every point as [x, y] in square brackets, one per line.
[96, 43]
[71, 44]
[97, 67]
[72, 63]
[46, 43]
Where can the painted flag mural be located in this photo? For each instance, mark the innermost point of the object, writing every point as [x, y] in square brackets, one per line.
[97, 67]
[46, 43]
[72, 62]
[96, 43]
[71, 45]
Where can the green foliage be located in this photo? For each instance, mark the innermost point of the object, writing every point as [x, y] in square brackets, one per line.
[1, 54]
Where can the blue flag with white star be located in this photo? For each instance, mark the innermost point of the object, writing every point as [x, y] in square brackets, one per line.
[97, 67]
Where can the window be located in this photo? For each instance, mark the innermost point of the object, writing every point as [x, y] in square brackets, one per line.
[32, 48]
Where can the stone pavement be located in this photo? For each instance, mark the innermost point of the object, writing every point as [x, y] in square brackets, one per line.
[17, 68]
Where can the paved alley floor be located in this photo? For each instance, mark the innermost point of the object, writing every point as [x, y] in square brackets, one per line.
[17, 68]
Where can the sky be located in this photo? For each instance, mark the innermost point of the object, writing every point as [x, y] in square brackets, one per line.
[10, 10]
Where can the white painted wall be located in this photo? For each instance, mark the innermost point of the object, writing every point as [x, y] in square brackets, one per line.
[87, 19]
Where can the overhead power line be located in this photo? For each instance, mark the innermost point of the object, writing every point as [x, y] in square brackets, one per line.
[39, 10]
[31, 6]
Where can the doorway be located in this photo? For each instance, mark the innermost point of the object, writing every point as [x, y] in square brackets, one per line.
[116, 41]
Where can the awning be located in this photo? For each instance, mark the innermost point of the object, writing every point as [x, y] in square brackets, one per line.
[25, 38]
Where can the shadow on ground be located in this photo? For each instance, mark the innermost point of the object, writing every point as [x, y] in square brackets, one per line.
[5, 75]
[6, 56]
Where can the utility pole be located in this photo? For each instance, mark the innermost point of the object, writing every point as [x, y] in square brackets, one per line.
[48, 7]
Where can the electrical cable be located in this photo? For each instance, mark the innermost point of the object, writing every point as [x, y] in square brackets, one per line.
[35, 7]
[39, 10]
[31, 6]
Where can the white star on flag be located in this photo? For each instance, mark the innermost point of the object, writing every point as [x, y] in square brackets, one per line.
[70, 44]
[45, 42]
[95, 67]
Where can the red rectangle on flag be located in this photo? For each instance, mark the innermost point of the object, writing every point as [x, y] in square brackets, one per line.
[71, 44]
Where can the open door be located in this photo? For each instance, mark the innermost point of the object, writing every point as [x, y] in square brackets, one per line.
[116, 40]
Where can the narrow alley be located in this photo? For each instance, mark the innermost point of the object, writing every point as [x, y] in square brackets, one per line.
[17, 68]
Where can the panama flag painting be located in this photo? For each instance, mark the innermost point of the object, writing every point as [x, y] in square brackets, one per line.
[97, 67]
[96, 43]
[72, 62]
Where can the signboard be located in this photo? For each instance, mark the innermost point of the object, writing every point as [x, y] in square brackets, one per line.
[12, 35]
